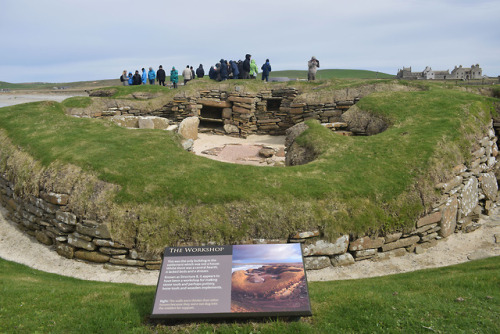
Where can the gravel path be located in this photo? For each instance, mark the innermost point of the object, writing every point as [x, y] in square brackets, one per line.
[457, 248]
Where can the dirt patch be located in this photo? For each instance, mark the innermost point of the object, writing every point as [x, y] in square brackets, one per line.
[249, 151]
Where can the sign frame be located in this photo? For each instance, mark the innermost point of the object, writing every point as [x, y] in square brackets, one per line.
[232, 281]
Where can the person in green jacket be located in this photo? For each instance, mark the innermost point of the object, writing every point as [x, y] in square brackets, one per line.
[174, 77]
[253, 69]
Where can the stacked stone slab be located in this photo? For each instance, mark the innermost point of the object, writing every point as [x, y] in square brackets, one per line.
[472, 191]
[48, 220]
[248, 112]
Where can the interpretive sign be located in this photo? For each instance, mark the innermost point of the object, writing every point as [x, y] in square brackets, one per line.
[232, 281]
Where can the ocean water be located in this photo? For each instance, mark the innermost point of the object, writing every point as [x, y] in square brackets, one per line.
[237, 267]
[13, 99]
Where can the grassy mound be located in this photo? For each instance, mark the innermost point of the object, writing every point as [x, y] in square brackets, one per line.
[357, 184]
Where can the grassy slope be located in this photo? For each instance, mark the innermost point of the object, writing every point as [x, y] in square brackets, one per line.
[358, 184]
[418, 302]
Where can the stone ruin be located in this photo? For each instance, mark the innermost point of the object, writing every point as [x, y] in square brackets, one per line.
[469, 194]
[240, 114]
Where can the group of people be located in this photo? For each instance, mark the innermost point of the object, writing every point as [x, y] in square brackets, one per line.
[160, 76]
[223, 70]
[246, 69]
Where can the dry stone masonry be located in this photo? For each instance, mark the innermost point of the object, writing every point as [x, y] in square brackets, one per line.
[235, 113]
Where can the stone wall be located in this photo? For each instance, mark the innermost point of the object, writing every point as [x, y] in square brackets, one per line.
[242, 114]
[470, 193]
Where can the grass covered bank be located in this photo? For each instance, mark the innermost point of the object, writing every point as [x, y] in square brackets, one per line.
[458, 299]
[357, 184]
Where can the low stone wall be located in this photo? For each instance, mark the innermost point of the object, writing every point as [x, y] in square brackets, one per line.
[470, 193]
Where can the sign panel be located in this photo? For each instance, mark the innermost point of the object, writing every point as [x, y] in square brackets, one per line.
[232, 281]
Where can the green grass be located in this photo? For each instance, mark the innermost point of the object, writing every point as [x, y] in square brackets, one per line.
[322, 74]
[333, 74]
[419, 302]
[357, 184]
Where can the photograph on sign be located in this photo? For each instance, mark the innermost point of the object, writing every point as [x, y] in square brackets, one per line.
[232, 281]
[268, 278]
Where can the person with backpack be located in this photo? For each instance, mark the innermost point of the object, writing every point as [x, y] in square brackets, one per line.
[124, 78]
[151, 76]
[266, 69]
[160, 76]
[253, 69]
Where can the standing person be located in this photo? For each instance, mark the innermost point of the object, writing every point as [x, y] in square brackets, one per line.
[124, 78]
[313, 66]
[246, 67]
[224, 73]
[160, 76]
[253, 69]
[200, 72]
[240, 69]
[186, 74]
[192, 73]
[151, 76]
[144, 76]
[234, 68]
[174, 77]
[211, 73]
[130, 79]
[266, 69]
[137, 80]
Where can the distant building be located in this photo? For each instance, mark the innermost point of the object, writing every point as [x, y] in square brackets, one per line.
[460, 73]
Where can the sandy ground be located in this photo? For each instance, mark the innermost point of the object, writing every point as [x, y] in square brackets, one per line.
[239, 150]
[12, 98]
[457, 248]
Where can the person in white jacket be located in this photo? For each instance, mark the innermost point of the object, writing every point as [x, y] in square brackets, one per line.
[187, 74]
[313, 65]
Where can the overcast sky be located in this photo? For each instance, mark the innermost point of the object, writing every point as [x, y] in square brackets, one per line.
[76, 40]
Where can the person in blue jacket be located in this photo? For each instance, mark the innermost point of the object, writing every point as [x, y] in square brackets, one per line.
[144, 76]
[130, 79]
[151, 76]
[266, 69]
[234, 67]
[223, 70]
